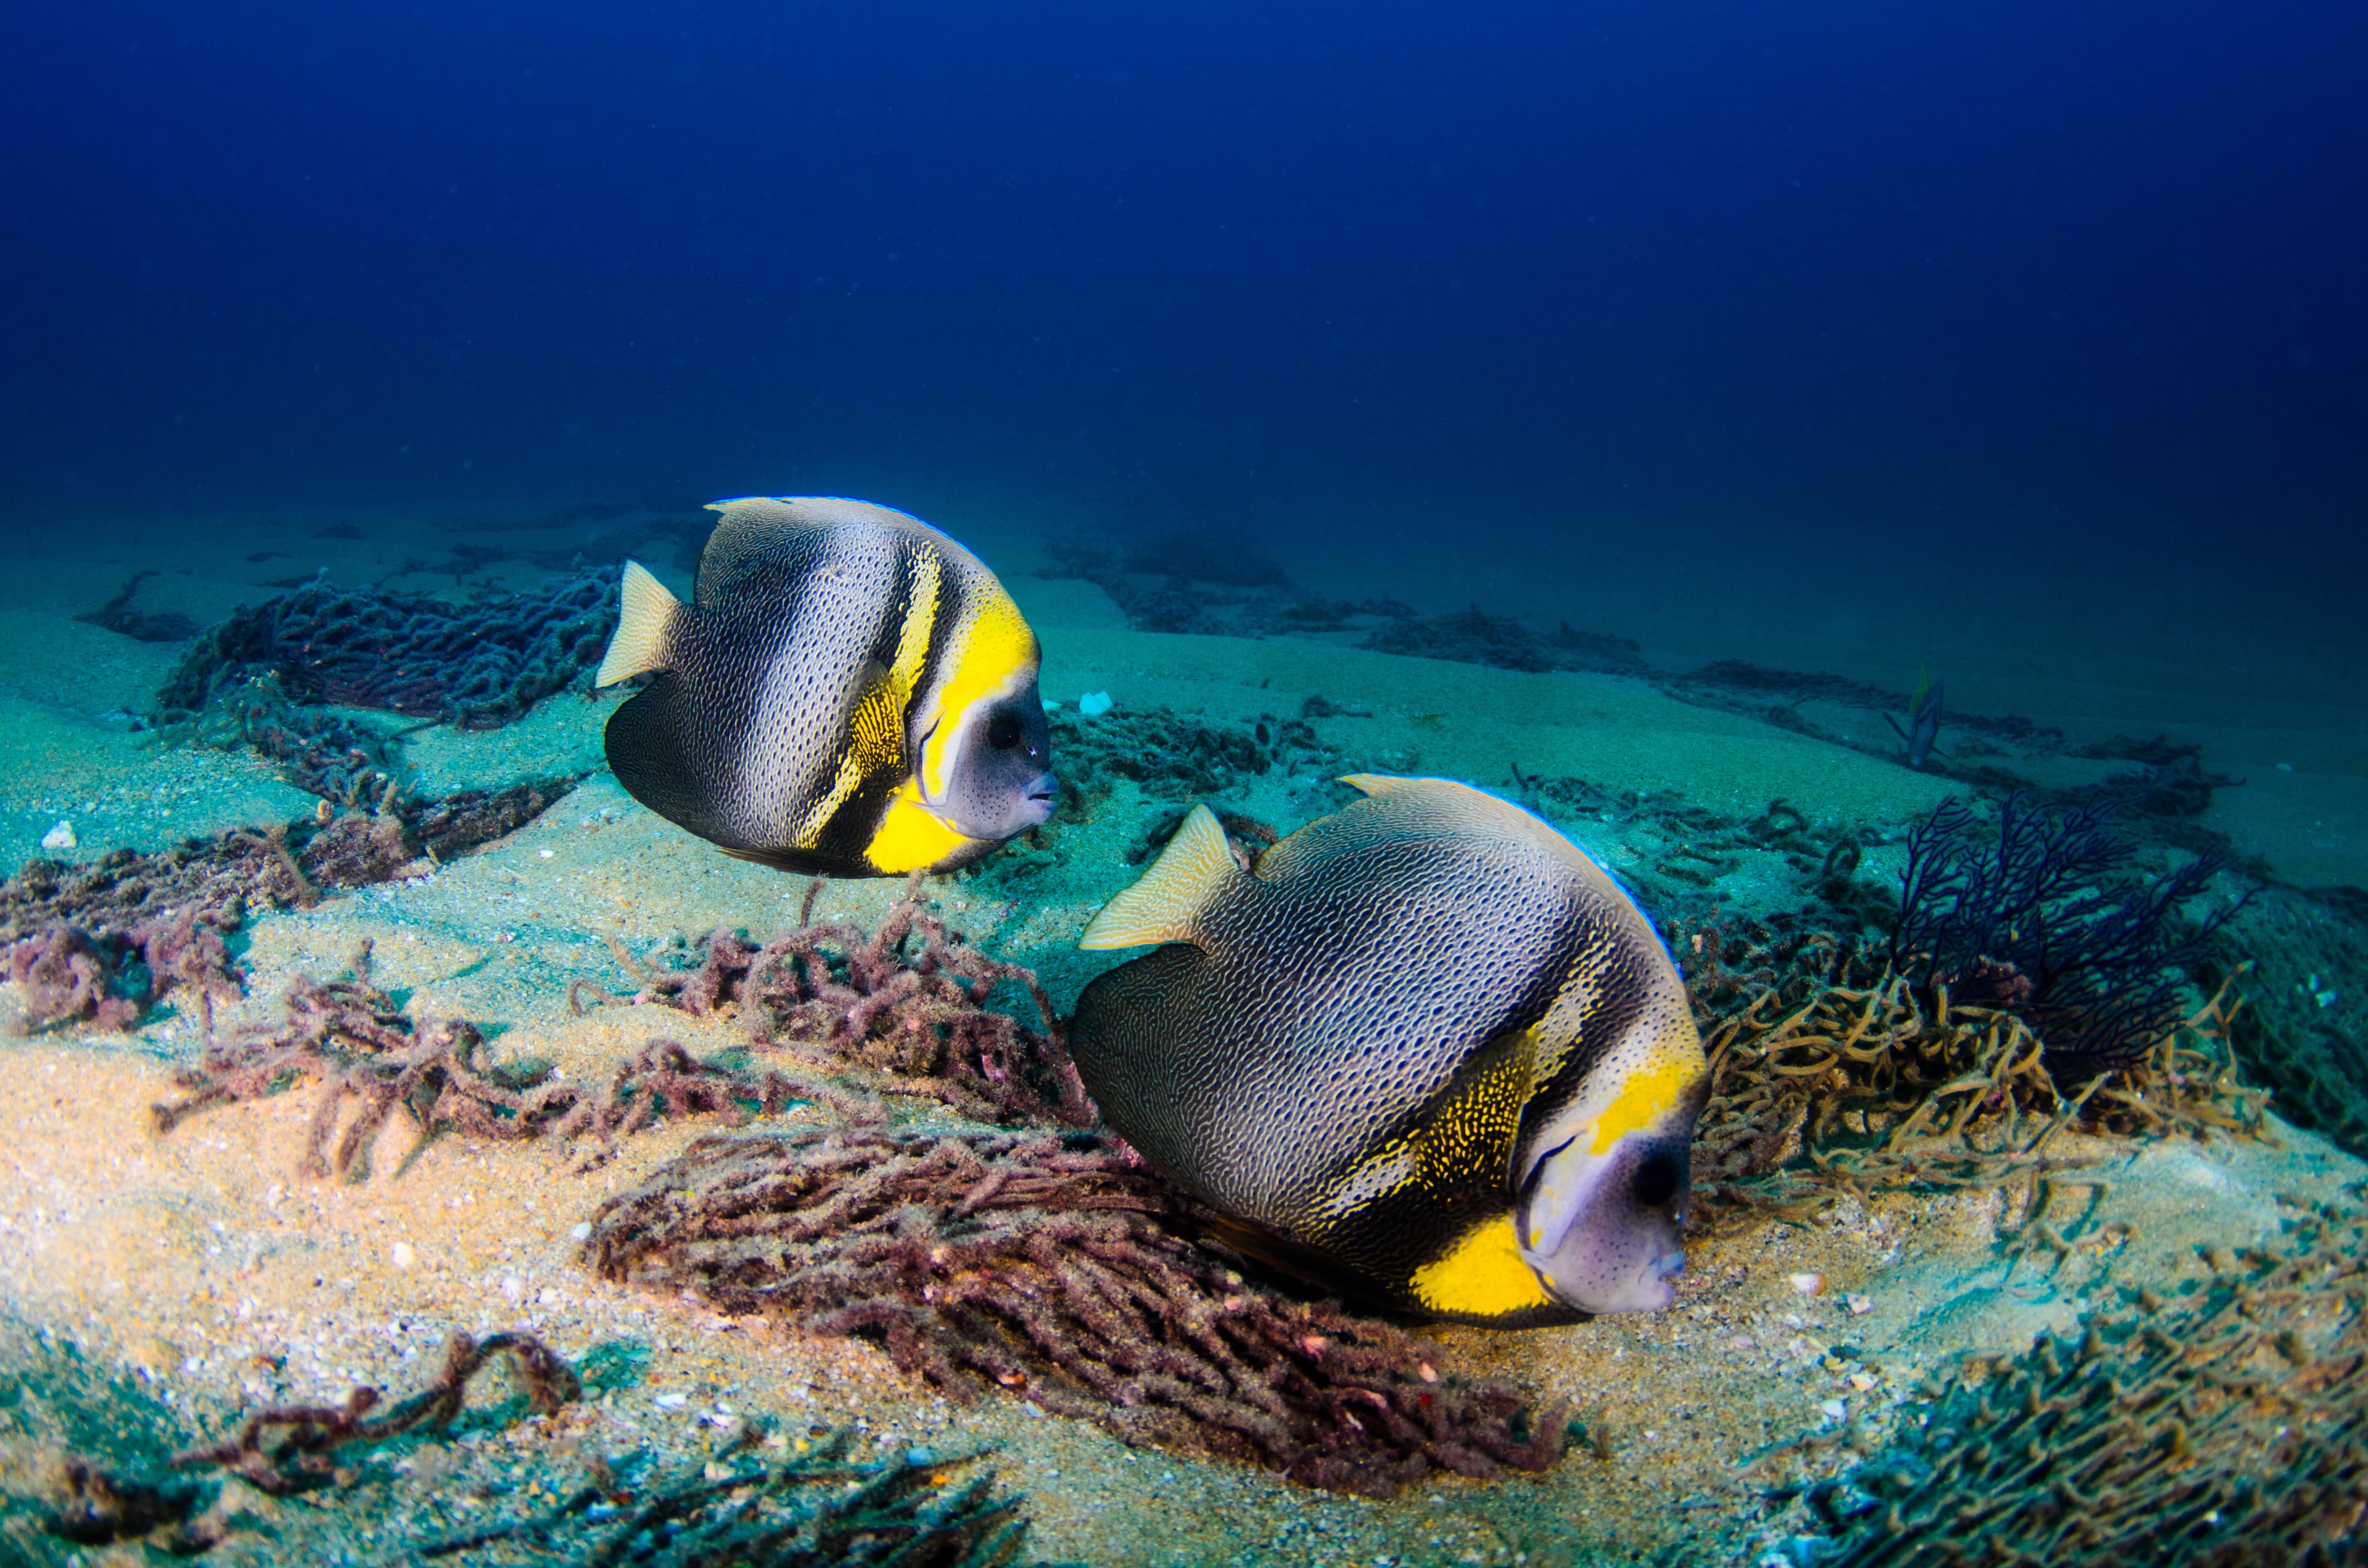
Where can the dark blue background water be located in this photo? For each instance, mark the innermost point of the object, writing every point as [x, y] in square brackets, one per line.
[2022, 278]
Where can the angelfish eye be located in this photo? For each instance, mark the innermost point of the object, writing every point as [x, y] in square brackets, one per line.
[1657, 1176]
[1003, 732]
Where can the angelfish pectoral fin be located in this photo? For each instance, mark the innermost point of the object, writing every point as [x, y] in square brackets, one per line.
[1194, 868]
[645, 622]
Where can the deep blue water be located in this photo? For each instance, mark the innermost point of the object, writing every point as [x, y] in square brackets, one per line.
[2014, 284]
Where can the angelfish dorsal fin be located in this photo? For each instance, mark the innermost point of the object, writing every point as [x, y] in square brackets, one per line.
[645, 627]
[1161, 906]
[1378, 785]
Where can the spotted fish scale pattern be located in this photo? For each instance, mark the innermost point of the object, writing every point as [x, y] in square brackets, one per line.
[1361, 1048]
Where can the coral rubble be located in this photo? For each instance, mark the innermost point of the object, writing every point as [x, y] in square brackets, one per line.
[1474, 637]
[1059, 1269]
[1181, 756]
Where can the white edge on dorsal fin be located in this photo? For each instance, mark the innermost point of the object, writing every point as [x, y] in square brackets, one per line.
[645, 627]
[1163, 905]
[1379, 784]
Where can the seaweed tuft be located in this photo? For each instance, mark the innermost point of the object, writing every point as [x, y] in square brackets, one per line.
[351, 1037]
[477, 665]
[1058, 1268]
[919, 1016]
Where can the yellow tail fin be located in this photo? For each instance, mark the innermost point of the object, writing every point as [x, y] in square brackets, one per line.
[644, 629]
[1160, 907]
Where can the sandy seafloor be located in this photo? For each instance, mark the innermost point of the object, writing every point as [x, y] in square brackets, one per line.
[198, 1273]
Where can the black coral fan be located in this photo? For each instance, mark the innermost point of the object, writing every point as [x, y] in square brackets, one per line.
[1057, 1270]
[2049, 919]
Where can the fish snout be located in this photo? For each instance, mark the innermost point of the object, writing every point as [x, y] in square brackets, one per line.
[1603, 1230]
[1039, 799]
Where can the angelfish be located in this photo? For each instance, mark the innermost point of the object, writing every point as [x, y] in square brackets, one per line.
[1425, 1051]
[849, 692]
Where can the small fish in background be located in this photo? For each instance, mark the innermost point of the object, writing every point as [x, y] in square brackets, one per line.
[848, 692]
[1424, 1052]
[1923, 720]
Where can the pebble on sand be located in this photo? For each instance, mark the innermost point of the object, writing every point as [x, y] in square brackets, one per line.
[62, 837]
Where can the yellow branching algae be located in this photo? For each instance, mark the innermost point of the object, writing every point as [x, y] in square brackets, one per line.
[1845, 1077]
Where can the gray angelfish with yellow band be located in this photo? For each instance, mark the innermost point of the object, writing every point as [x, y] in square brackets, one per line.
[850, 692]
[1425, 1051]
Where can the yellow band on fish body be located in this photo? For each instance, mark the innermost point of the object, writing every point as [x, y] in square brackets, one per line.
[1647, 1097]
[876, 729]
[911, 837]
[996, 650]
[1482, 1276]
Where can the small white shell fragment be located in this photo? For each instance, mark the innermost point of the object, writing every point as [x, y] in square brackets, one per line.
[59, 838]
[1860, 1305]
[1093, 704]
[1862, 1381]
[1834, 1408]
[401, 1255]
[1808, 1284]
[671, 1401]
[582, 1232]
